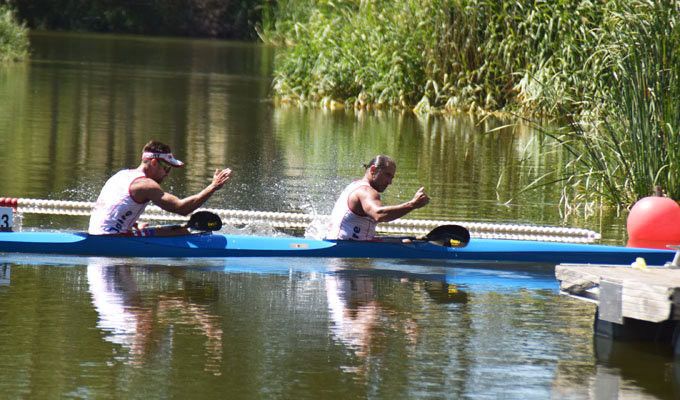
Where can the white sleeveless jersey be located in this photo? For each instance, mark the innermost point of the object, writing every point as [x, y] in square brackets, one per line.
[344, 223]
[116, 211]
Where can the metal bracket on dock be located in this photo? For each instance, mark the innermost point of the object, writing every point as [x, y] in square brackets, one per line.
[676, 260]
[610, 302]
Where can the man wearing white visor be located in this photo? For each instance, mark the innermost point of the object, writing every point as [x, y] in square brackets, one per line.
[126, 194]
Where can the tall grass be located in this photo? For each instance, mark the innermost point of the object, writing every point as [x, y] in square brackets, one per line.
[366, 52]
[632, 145]
[13, 37]
[441, 54]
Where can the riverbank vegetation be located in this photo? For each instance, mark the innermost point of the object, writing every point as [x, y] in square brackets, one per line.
[607, 70]
[13, 37]
[439, 54]
[627, 141]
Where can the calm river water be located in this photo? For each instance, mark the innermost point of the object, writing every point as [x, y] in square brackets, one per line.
[83, 107]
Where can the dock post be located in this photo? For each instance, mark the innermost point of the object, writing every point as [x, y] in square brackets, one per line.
[633, 304]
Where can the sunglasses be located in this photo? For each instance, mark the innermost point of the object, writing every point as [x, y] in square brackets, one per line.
[166, 167]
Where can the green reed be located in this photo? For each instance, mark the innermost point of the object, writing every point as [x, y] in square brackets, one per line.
[368, 52]
[13, 37]
[624, 150]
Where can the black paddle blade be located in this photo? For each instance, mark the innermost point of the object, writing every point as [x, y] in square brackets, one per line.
[205, 221]
[449, 236]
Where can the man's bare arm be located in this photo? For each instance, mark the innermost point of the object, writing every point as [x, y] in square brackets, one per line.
[373, 207]
[149, 190]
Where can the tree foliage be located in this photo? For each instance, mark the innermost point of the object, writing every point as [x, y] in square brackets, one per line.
[13, 37]
[233, 19]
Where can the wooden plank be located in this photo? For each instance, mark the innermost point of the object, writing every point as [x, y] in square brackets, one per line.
[651, 279]
[654, 310]
[651, 294]
[651, 276]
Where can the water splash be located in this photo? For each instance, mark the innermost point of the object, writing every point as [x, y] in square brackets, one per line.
[252, 229]
[317, 228]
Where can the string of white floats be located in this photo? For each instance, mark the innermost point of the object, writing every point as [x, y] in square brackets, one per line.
[289, 220]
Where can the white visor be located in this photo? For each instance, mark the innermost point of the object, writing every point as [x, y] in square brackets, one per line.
[167, 157]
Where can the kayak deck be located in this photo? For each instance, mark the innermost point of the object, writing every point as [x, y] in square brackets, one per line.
[219, 245]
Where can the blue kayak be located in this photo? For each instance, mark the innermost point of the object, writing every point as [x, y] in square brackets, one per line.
[220, 245]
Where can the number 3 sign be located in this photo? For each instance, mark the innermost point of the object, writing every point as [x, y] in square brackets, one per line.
[6, 218]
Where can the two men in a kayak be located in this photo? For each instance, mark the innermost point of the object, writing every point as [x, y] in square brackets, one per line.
[126, 194]
[359, 208]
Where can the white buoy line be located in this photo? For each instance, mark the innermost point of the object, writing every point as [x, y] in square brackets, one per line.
[289, 220]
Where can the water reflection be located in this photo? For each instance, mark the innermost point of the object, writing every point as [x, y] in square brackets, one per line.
[380, 315]
[5, 272]
[362, 313]
[141, 317]
[623, 367]
[354, 310]
[292, 328]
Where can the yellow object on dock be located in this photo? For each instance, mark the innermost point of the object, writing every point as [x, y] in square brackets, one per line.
[639, 263]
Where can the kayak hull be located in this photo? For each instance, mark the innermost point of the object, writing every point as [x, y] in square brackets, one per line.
[218, 245]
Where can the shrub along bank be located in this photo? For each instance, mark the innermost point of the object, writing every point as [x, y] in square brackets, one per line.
[451, 54]
[13, 37]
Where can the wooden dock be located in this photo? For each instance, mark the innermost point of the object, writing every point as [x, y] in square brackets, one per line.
[633, 302]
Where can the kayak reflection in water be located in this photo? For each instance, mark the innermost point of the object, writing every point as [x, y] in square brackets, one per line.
[145, 324]
[359, 208]
[126, 194]
[373, 323]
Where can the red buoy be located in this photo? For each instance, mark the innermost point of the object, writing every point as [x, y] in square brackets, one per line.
[654, 222]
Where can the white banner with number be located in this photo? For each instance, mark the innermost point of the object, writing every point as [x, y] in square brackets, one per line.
[6, 218]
